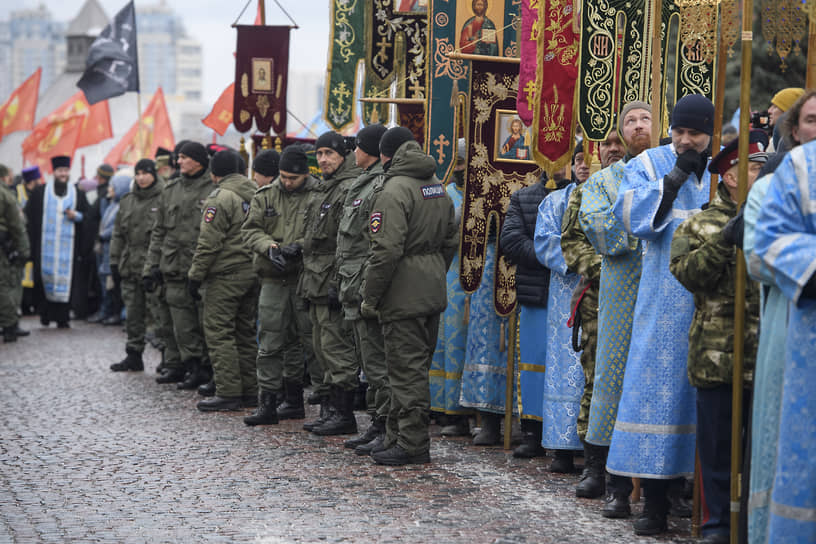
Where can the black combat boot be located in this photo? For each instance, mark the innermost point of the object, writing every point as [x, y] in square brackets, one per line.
[397, 456]
[133, 361]
[562, 463]
[593, 481]
[266, 413]
[208, 389]
[171, 375]
[490, 433]
[292, 405]
[197, 374]
[377, 427]
[617, 500]
[531, 442]
[655, 510]
[219, 404]
[327, 409]
[343, 420]
[10, 334]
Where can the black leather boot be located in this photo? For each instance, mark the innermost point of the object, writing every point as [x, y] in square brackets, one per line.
[617, 499]
[327, 409]
[377, 427]
[593, 481]
[133, 361]
[530, 446]
[208, 389]
[171, 375]
[197, 375]
[563, 462]
[266, 413]
[343, 420]
[219, 404]
[490, 433]
[655, 509]
[10, 334]
[292, 405]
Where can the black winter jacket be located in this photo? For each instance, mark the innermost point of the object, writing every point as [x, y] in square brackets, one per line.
[532, 279]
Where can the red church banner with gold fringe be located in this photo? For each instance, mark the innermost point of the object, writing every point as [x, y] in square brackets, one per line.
[528, 47]
[558, 48]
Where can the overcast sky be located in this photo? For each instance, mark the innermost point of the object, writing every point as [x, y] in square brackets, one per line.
[209, 21]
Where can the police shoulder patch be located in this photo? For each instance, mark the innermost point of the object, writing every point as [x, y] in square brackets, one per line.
[209, 214]
[375, 222]
[432, 191]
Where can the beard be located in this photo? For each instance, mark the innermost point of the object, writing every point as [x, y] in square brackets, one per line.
[639, 144]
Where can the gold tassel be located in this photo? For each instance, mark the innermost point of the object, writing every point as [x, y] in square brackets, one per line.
[466, 317]
[502, 341]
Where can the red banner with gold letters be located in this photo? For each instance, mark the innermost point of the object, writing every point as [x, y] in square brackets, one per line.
[558, 48]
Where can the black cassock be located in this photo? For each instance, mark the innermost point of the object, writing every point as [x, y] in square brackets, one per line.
[58, 311]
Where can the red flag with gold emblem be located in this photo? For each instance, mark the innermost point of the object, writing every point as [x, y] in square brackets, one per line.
[18, 112]
[557, 73]
[220, 117]
[156, 132]
[58, 137]
[96, 125]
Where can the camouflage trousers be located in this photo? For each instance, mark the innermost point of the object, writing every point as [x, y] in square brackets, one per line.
[589, 343]
[9, 279]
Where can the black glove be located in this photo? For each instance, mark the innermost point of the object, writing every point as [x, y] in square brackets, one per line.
[277, 259]
[117, 279]
[333, 300]
[689, 161]
[192, 288]
[732, 232]
[148, 284]
[292, 251]
[156, 274]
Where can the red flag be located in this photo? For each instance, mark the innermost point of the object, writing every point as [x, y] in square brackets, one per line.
[221, 115]
[59, 137]
[18, 112]
[156, 132]
[96, 125]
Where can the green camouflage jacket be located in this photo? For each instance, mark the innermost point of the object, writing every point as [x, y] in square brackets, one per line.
[706, 266]
[221, 249]
[323, 212]
[581, 258]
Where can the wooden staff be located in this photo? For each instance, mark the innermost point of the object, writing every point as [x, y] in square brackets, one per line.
[657, 55]
[719, 100]
[510, 376]
[810, 79]
[739, 296]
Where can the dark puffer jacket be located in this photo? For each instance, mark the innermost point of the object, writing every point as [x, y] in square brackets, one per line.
[532, 279]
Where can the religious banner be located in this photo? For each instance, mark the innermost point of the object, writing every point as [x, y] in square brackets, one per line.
[156, 132]
[616, 53]
[346, 49]
[528, 52]
[498, 163]
[553, 128]
[17, 113]
[58, 137]
[412, 117]
[473, 27]
[396, 48]
[261, 66]
[96, 125]
[220, 118]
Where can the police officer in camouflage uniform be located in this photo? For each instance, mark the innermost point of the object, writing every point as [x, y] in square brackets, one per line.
[172, 243]
[128, 249]
[582, 259]
[352, 252]
[14, 251]
[273, 231]
[703, 259]
[331, 334]
[414, 237]
[223, 263]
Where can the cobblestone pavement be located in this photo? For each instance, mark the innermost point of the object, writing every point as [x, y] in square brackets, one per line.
[88, 455]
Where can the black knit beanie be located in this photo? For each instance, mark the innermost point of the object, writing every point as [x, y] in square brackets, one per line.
[694, 111]
[368, 139]
[332, 140]
[225, 162]
[293, 160]
[266, 163]
[393, 139]
[147, 166]
[197, 152]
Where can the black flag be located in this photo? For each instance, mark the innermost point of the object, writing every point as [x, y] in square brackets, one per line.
[112, 67]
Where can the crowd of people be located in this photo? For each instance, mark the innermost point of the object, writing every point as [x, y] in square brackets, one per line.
[626, 280]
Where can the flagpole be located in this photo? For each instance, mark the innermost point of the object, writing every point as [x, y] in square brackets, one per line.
[139, 121]
[657, 54]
